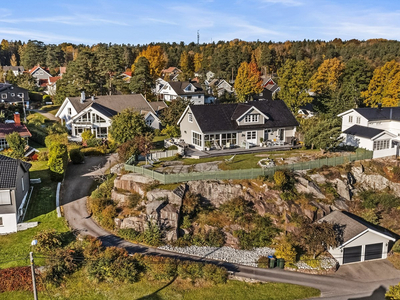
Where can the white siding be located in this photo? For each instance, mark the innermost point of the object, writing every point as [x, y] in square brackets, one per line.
[9, 223]
[354, 115]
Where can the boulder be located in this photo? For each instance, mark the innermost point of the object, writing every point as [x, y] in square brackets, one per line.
[343, 189]
[308, 187]
[132, 182]
[164, 194]
[121, 198]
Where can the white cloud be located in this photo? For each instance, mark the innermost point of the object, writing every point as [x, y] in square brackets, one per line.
[284, 2]
[45, 37]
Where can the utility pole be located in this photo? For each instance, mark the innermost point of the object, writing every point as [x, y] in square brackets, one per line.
[33, 276]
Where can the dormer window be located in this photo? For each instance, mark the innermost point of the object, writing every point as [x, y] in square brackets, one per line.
[3, 96]
[252, 118]
[188, 88]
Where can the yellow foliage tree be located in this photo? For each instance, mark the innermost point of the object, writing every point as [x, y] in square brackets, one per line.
[157, 59]
[13, 60]
[326, 79]
[384, 86]
[286, 251]
[248, 81]
[198, 60]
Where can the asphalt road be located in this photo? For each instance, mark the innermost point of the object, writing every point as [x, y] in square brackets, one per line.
[75, 190]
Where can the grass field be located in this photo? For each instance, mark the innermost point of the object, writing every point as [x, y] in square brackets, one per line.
[78, 287]
[15, 247]
[241, 161]
[51, 108]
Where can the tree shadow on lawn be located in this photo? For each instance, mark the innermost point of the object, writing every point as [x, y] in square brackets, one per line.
[154, 296]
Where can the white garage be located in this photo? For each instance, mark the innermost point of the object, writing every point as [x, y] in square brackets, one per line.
[359, 240]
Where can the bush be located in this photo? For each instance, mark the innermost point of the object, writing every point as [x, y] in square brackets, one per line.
[396, 247]
[48, 241]
[215, 274]
[263, 262]
[56, 138]
[107, 217]
[130, 234]
[370, 216]
[134, 199]
[17, 144]
[393, 293]
[237, 209]
[160, 268]
[370, 199]
[76, 156]
[87, 135]
[190, 270]
[43, 156]
[286, 251]
[173, 147]
[58, 160]
[152, 235]
[93, 142]
[61, 264]
[128, 149]
[104, 189]
[36, 119]
[94, 151]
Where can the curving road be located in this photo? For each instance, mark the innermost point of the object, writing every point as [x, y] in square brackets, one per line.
[352, 283]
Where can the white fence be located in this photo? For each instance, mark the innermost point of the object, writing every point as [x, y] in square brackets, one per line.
[158, 155]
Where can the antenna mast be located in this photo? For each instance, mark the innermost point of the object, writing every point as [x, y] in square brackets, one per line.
[198, 37]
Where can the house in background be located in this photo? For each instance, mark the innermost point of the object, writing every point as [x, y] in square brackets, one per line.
[14, 191]
[306, 111]
[271, 85]
[237, 124]
[218, 86]
[52, 85]
[171, 73]
[359, 240]
[17, 70]
[13, 94]
[9, 128]
[95, 113]
[126, 76]
[374, 129]
[188, 90]
[41, 75]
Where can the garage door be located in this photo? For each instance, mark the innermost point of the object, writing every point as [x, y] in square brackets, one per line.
[373, 251]
[352, 254]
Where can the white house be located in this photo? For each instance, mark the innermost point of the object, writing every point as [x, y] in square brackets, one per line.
[358, 240]
[375, 129]
[41, 75]
[14, 190]
[95, 113]
[189, 90]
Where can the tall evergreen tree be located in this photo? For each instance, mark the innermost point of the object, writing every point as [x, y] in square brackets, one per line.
[141, 81]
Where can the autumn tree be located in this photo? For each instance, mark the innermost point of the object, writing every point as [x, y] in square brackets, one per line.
[186, 64]
[248, 81]
[317, 237]
[384, 86]
[17, 144]
[197, 61]
[294, 83]
[13, 60]
[144, 144]
[126, 125]
[327, 77]
[157, 59]
[141, 81]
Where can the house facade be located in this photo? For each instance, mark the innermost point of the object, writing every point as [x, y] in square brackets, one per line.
[95, 113]
[13, 94]
[237, 124]
[14, 191]
[9, 128]
[188, 90]
[358, 240]
[375, 129]
[41, 75]
[17, 70]
[219, 86]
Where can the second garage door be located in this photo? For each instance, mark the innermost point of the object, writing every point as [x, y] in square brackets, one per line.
[373, 251]
[352, 254]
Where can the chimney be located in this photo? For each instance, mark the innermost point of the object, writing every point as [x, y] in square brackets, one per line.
[92, 98]
[379, 105]
[83, 96]
[17, 119]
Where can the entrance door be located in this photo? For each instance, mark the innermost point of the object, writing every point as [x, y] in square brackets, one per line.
[251, 137]
[373, 251]
[351, 254]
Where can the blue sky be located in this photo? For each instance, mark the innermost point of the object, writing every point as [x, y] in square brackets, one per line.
[142, 22]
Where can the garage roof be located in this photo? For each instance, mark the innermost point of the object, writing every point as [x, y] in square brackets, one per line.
[352, 226]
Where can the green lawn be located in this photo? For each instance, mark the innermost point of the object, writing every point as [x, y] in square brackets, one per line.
[51, 108]
[15, 247]
[241, 161]
[79, 287]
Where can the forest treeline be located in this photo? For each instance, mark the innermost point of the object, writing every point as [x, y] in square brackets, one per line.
[340, 74]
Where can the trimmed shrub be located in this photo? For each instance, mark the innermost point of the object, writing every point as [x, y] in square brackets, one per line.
[93, 142]
[58, 160]
[215, 274]
[76, 156]
[43, 155]
[263, 262]
[57, 138]
[87, 135]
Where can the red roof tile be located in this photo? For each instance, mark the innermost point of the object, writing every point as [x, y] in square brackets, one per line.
[10, 128]
[54, 79]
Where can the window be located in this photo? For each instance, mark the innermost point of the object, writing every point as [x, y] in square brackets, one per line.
[251, 118]
[12, 95]
[97, 119]
[69, 111]
[5, 198]
[350, 119]
[358, 120]
[1, 221]
[382, 144]
[84, 118]
[149, 121]
[3, 96]
[199, 96]
[101, 132]
[188, 88]
[3, 144]
[190, 117]
[20, 95]
[196, 137]
[251, 135]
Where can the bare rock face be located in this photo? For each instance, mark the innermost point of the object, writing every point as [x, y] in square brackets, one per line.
[164, 194]
[374, 181]
[343, 189]
[137, 223]
[132, 182]
[308, 187]
[120, 198]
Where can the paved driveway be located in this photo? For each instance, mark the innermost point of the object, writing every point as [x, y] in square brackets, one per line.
[346, 284]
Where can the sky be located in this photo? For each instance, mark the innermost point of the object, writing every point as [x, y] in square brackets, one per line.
[142, 22]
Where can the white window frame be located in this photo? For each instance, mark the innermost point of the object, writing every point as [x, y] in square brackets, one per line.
[69, 109]
[4, 96]
[1, 222]
[190, 117]
[9, 197]
[252, 118]
[350, 119]
[358, 120]
[252, 133]
[381, 144]
[200, 138]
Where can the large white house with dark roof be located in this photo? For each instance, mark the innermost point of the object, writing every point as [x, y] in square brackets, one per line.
[188, 90]
[374, 129]
[95, 113]
[14, 190]
[237, 124]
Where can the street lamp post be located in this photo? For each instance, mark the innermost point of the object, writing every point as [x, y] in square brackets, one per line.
[35, 296]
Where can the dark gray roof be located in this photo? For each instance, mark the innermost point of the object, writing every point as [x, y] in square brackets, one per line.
[9, 170]
[308, 107]
[222, 117]
[363, 131]
[10, 90]
[350, 225]
[264, 95]
[179, 86]
[376, 114]
[158, 105]
[110, 105]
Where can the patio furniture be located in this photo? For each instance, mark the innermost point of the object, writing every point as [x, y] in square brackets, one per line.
[230, 159]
